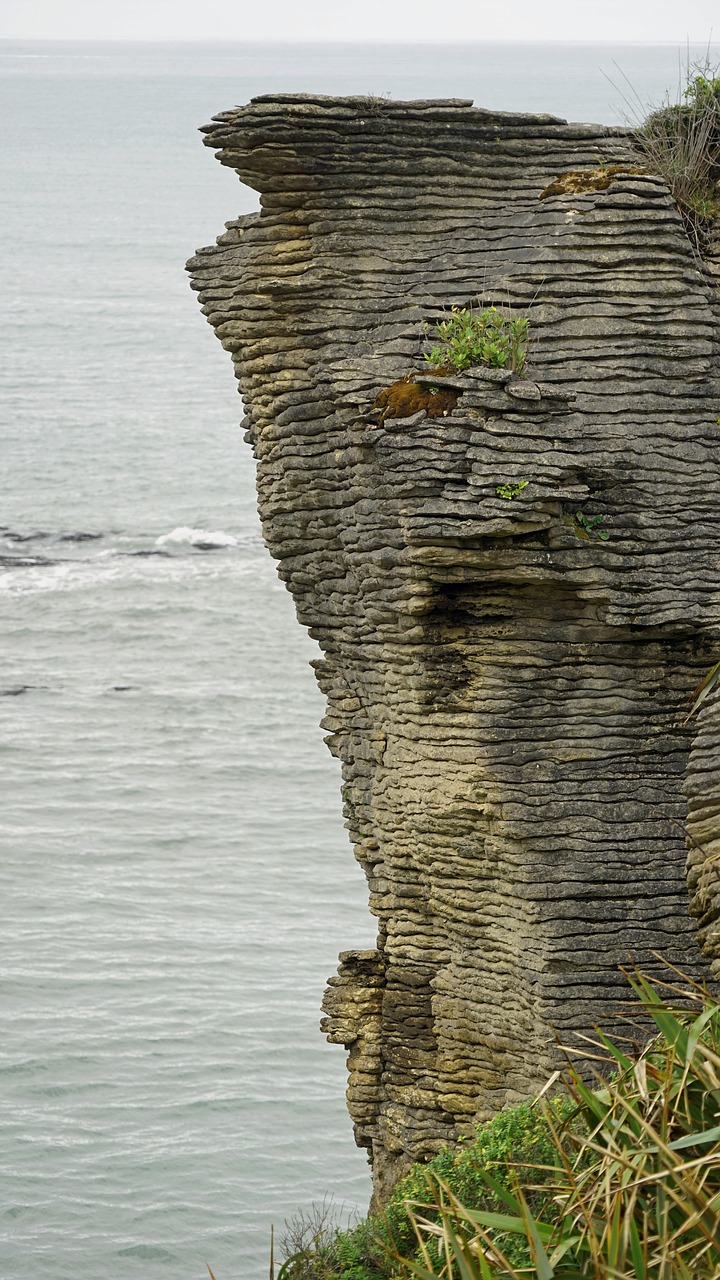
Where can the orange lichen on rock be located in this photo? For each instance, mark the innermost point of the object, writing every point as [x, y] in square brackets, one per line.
[579, 181]
[402, 399]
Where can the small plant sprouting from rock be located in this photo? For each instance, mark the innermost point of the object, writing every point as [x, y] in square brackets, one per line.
[511, 491]
[309, 1241]
[590, 526]
[709, 682]
[374, 102]
[490, 337]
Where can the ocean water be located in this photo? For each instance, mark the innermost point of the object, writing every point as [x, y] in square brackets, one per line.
[175, 880]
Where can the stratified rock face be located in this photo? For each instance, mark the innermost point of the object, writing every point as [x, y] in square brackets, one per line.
[503, 688]
[703, 793]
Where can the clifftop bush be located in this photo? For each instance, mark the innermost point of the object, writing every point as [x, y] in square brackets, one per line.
[682, 143]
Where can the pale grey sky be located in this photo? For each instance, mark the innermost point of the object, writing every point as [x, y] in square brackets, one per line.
[647, 21]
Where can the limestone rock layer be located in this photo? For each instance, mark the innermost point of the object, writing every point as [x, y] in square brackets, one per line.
[504, 687]
[703, 824]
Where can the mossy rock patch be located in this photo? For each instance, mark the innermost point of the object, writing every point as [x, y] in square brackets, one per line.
[402, 399]
[579, 181]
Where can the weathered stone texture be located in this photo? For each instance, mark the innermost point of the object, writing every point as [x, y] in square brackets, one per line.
[703, 792]
[504, 694]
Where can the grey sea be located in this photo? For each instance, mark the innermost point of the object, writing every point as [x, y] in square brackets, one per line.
[175, 877]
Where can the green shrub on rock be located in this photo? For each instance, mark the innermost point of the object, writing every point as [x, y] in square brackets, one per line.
[627, 1188]
[637, 1190]
[521, 1135]
[490, 337]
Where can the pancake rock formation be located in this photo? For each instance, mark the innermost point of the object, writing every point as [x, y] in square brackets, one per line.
[703, 792]
[514, 585]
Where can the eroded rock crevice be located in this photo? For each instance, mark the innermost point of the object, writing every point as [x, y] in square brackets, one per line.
[503, 685]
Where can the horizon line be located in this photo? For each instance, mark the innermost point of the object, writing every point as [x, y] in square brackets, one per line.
[304, 40]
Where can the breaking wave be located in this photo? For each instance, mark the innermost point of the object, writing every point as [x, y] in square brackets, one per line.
[201, 539]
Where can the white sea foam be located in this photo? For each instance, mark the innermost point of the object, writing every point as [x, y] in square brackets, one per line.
[98, 573]
[197, 538]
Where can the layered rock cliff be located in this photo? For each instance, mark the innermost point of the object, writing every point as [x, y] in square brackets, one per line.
[703, 793]
[504, 686]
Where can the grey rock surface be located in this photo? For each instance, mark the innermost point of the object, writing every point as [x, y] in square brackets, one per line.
[703, 824]
[504, 691]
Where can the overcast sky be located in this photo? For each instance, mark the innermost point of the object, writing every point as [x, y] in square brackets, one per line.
[648, 21]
